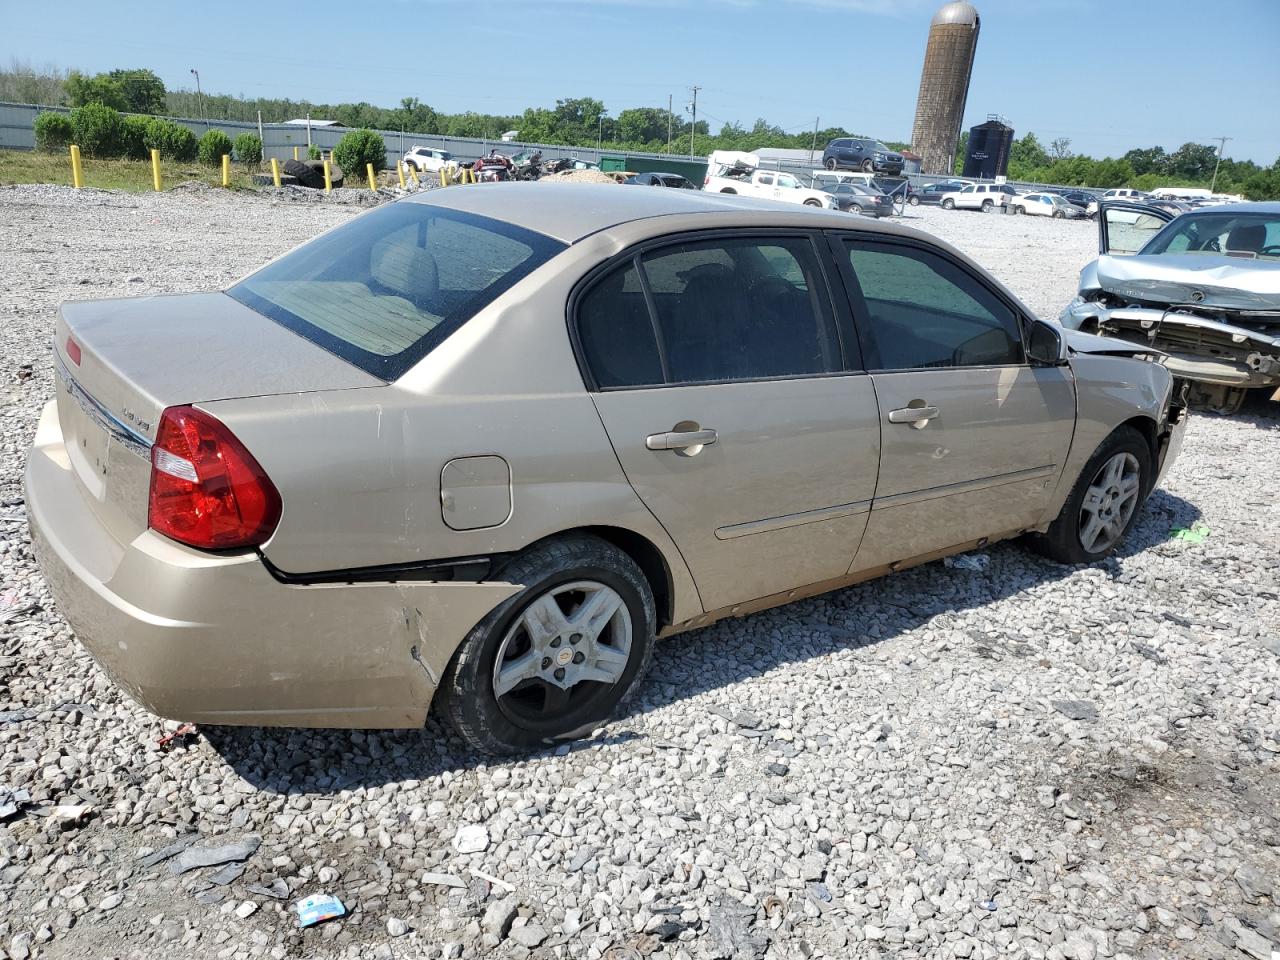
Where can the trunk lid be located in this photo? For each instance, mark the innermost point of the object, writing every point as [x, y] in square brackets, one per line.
[138, 356]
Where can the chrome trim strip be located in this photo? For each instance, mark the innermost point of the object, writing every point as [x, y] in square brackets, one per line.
[733, 531]
[117, 429]
[964, 486]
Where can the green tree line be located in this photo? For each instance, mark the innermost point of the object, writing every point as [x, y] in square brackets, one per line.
[584, 122]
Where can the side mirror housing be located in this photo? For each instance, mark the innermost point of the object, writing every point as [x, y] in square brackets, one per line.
[1046, 344]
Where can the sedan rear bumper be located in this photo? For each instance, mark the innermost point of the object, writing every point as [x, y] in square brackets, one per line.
[214, 638]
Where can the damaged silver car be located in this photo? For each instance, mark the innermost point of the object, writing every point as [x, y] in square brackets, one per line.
[1203, 288]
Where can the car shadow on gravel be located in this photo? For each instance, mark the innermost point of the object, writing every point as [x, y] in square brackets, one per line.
[288, 761]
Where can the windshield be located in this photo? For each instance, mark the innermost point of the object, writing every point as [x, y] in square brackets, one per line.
[384, 289]
[1246, 235]
[882, 148]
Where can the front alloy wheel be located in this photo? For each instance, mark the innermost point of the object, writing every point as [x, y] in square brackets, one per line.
[1109, 503]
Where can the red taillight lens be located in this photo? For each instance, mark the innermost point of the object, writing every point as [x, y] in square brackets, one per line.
[73, 351]
[206, 489]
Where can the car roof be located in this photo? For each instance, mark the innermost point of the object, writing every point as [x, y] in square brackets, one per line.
[572, 211]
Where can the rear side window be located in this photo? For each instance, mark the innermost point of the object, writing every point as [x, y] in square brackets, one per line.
[385, 289]
[921, 310]
[722, 310]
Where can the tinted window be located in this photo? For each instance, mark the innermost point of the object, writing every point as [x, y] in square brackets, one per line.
[384, 289]
[921, 310]
[766, 179]
[616, 332]
[741, 309]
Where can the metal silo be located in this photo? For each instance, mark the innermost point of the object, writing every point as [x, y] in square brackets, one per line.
[944, 85]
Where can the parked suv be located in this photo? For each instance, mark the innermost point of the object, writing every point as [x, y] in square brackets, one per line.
[978, 196]
[427, 160]
[857, 153]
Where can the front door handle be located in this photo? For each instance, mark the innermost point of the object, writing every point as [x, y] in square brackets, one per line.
[681, 440]
[916, 414]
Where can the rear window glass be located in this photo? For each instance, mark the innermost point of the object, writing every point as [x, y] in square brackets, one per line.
[383, 290]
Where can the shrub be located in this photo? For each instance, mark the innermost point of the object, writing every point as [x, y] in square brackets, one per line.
[212, 146]
[98, 130]
[360, 147]
[53, 132]
[313, 153]
[249, 149]
[133, 137]
[173, 140]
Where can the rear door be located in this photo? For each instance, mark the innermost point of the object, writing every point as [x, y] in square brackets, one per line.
[726, 389]
[1125, 226]
[973, 436]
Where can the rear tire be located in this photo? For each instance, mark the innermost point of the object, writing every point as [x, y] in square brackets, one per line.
[729, 190]
[855, 208]
[535, 711]
[948, 204]
[830, 163]
[1101, 509]
[987, 205]
[1020, 210]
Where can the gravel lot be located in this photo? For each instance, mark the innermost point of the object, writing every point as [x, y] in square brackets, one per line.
[1025, 761]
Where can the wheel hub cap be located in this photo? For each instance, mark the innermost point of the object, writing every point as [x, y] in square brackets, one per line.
[571, 634]
[1109, 502]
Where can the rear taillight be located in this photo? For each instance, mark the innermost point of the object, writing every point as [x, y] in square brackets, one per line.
[206, 489]
[73, 351]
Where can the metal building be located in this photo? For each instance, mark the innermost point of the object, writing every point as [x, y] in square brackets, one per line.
[987, 154]
[944, 85]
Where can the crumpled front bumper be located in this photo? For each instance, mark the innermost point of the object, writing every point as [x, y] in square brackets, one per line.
[1196, 348]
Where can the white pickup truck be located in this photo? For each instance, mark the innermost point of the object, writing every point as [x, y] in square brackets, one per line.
[731, 171]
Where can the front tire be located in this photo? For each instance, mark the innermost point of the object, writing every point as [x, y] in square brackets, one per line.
[914, 201]
[1059, 215]
[813, 203]
[948, 204]
[554, 661]
[868, 166]
[1104, 503]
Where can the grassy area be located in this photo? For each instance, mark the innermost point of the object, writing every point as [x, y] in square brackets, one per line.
[29, 166]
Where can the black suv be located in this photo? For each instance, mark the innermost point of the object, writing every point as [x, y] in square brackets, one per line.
[857, 153]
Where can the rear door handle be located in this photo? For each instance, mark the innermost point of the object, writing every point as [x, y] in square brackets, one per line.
[681, 441]
[917, 416]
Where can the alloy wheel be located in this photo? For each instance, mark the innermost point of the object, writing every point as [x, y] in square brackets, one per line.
[567, 646]
[1109, 502]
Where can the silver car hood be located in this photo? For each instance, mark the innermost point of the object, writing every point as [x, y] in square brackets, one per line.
[1079, 342]
[1201, 280]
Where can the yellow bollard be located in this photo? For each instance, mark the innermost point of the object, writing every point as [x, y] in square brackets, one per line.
[77, 172]
[328, 180]
[444, 177]
[275, 171]
[295, 153]
[155, 169]
[413, 172]
[373, 184]
[226, 170]
[400, 170]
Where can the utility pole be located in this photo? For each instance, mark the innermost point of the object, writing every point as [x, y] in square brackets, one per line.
[199, 96]
[814, 146]
[1222, 145]
[599, 134]
[669, 119]
[693, 127]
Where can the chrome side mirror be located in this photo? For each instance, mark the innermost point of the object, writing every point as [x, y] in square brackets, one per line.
[1045, 344]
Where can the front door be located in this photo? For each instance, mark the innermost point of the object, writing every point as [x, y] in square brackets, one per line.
[1124, 226]
[719, 376]
[973, 436]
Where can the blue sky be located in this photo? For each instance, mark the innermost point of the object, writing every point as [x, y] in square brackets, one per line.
[1108, 74]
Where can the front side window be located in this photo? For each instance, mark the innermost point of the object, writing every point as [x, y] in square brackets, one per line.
[723, 310]
[384, 289]
[921, 310]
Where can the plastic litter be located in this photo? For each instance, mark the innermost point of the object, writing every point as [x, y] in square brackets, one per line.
[975, 562]
[318, 908]
[1196, 533]
[471, 838]
[180, 736]
[990, 905]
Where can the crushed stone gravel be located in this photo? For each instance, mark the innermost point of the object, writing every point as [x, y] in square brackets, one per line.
[1021, 760]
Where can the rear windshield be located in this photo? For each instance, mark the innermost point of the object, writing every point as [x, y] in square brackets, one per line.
[383, 290]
